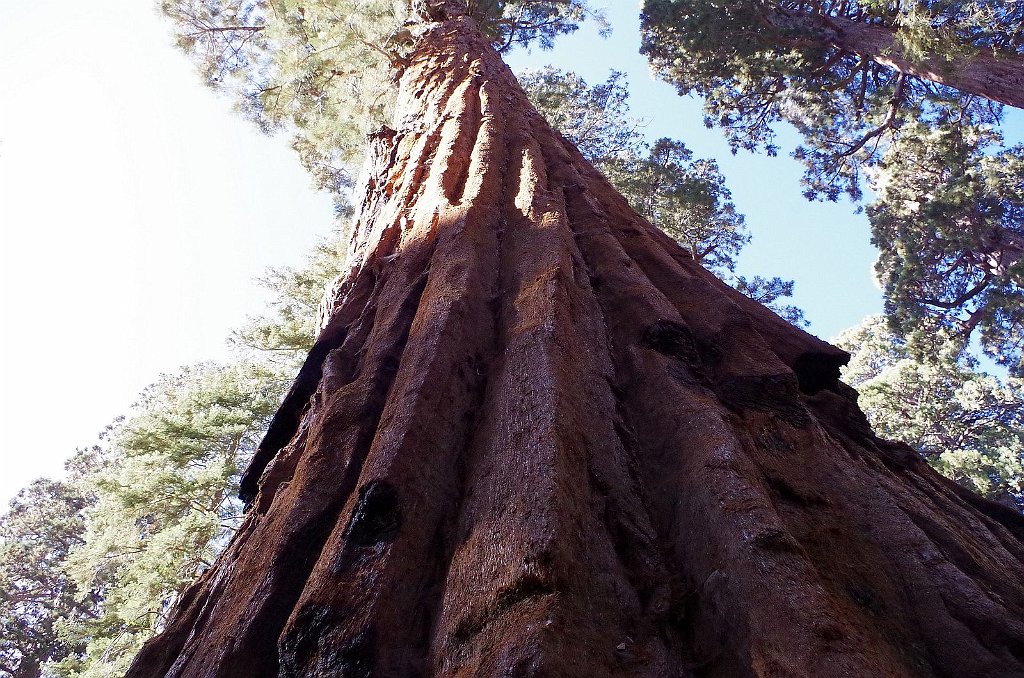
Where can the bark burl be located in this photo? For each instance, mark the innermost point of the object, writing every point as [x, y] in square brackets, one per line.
[536, 439]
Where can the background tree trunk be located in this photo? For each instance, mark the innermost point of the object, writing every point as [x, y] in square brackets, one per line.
[997, 77]
[535, 438]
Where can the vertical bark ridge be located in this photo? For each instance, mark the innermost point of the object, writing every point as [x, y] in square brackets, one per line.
[270, 575]
[537, 439]
[510, 526]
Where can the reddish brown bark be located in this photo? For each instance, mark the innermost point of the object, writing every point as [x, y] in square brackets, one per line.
[535, 438]
[995, 76]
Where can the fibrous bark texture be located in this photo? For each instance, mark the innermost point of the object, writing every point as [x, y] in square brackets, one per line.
[536, 439]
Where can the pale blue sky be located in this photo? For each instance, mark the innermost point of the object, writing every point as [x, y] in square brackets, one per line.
[136, 208]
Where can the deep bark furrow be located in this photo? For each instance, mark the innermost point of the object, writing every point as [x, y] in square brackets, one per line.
[614, 478]
[360, 298]
[456, 172]
[386, 571]
[543, 441]
[366, 408]
[494, 518]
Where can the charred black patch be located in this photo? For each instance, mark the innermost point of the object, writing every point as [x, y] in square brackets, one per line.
[674, 340]
[864, 597]
[314, 648]
[302, 644]
[355, 658]
[818, 371]
[377, 516]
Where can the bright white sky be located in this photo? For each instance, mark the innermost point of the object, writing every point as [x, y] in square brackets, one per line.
[136, 208]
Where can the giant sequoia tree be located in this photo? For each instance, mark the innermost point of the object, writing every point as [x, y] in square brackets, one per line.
[534, 437]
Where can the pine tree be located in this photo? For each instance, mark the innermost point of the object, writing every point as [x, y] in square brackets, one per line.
[973, 47]
[42, 526]
[162, 504]
[536, 438]
[967, 424]
[949, 225]
[823, 67]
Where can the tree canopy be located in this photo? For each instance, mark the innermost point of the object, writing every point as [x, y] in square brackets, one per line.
[321, 71]
[37, 533]
[813, 65]
[904, 96]
[949, 225]
[163, 503]
[286, 330]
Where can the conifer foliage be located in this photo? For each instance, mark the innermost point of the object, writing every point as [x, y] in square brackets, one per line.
[164, 502]
[949, 225]
[967, 424]
[905, 96]
[846, 74]
[43, 524]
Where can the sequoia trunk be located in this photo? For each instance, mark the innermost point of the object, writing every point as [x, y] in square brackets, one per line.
[535, 438]
[994, 76]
